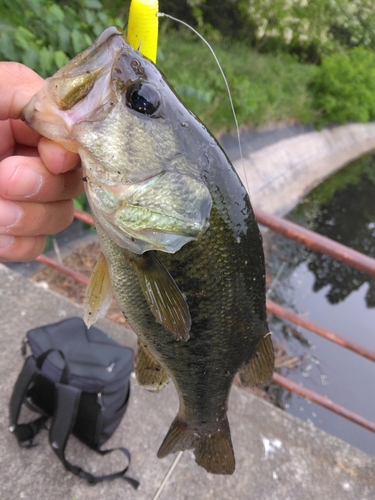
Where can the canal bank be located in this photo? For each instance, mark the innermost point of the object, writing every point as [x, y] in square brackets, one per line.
[281, 165]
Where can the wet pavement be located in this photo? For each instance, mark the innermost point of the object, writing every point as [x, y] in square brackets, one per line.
[278, 456]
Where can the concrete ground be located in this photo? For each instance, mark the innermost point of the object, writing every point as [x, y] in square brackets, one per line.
[278, 456]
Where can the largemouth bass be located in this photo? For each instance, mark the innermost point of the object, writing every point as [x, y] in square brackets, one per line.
[178, 234]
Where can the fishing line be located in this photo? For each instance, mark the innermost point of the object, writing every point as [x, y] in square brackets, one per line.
[168, 475]
[276, 279]
[161, 14]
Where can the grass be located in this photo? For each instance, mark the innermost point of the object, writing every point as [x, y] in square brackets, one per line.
[265, 88]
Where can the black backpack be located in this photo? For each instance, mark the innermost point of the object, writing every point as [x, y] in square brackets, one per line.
[80, 378]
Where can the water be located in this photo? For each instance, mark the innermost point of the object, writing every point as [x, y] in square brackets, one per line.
[333, 294]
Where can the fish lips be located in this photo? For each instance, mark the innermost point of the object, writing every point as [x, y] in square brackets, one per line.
[66, 98]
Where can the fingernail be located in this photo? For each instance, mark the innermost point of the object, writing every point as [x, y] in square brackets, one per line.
[28, 182]
[9, 213]
[6, 240]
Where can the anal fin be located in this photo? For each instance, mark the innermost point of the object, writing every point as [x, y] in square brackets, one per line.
[213, 450]
[98, 293]
[260, 367]
[150, 374]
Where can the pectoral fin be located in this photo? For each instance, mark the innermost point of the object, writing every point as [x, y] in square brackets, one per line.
[260, 367]
[150, 374]
[163, 296]
[98, 293]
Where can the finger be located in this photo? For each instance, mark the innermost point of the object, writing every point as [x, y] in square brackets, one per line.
[23, 134]
[56, 158]
[18, 84]
[18, 249]
[26, 177]
[34, 219]
[13, 133]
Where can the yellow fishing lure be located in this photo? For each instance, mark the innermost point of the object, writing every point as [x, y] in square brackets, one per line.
[143, 27]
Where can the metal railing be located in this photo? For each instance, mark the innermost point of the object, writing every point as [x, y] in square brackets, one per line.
[316, 242]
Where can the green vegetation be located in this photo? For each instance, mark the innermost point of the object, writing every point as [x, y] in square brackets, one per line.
[264, 87]
[307, 28]
[44, 35]
[336, 35]
[344, 87]
[285, 60]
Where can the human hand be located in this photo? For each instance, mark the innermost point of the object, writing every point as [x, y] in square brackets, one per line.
[38, 178]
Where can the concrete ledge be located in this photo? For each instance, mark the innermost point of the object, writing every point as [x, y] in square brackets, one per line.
[278, 456]
[278, 176]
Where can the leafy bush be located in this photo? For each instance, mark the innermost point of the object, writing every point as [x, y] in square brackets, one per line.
[311, 28]
[308, 28]
[212, 17]
[344, 87]
[290, 25]
[44, 35]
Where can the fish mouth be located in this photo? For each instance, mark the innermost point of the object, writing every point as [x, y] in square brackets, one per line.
[74, 81]
[67, 98]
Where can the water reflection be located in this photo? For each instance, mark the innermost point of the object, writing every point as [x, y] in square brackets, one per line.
[331, 293]
[347, 215]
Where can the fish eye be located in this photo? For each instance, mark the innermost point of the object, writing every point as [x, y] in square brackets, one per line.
[143, 97]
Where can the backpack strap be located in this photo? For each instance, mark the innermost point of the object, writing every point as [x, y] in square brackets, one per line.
[67, 402]
[24, 432]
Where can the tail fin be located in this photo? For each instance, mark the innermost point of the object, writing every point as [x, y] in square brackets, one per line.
[213, 450]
